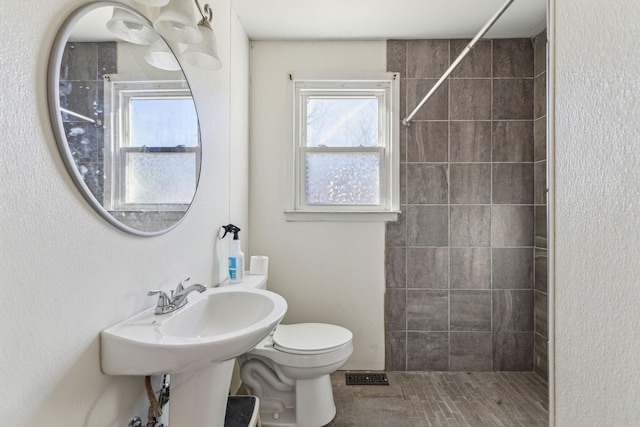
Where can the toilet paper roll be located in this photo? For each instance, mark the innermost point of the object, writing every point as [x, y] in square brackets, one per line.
[259, 265]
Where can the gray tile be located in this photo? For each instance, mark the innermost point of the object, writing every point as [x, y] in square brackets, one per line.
[471, 183]
[427, 310]
[470, 351]
[470, 311]
[470, 225]
[540, 139]
[84, 140]
[427, 183]
[512, 268]
[541, 356]
[513, 310]
[372, 414]
[513, 351]
[540, 96]
[541, 314]
[427, 58]
[470, 398]
[80, 62]
[470, 141]
[427, 226]
[512, 58]
[428, 142]
[427, 351]
[540, 53]
[477, 63]
[403, 183]
[395, 267]
[395, 309]
[511, 225]
[512, 141]
[513, 99]
[512, 183]
[541, 226]
[428, 268]
[107, 59]
[470, 268]
[396, 350]
[397, 57]
[540, 182]
[437, 107]
[396, 231]
[403, 97]
[541, 273]
[80, 97]
[470, 99]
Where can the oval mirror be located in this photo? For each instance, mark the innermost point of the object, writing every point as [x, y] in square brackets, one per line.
[124, 118]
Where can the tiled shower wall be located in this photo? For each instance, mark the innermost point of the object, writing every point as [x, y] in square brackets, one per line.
[460, 260]
[541, 313]
[82, 71]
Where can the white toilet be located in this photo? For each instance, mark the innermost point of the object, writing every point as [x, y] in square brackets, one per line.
[289, 371]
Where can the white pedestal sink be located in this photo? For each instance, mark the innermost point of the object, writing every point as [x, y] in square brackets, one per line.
[196, 344]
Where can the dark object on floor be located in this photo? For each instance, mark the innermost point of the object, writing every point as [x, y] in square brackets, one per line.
[366, 378]
[239, 411]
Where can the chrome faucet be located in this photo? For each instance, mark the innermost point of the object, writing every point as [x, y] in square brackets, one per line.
[178, 298]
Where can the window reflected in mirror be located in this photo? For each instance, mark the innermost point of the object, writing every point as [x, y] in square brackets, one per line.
[152, 145]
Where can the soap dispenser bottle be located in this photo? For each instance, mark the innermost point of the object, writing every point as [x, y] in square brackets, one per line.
[236, 257]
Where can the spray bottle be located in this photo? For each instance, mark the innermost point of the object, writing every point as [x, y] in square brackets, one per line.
[236, 257]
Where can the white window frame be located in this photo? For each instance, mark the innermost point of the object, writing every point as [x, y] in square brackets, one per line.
[119, 90]
[382, 86]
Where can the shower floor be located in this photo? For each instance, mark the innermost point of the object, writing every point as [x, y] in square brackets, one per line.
[421, 399]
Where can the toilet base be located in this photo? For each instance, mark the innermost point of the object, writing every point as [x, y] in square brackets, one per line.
[314, 401]
[285, 402]
[286, 418]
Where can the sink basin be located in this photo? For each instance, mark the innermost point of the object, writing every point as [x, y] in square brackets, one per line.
[217, 325]
[197, 344]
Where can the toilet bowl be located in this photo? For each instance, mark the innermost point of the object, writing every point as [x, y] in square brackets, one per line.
[289, 371]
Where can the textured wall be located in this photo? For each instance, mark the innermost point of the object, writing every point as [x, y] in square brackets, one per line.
[67, 274]
[329, 272]
[459, 263]
[596, 211]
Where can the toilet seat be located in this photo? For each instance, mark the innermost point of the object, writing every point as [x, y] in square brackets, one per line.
[310, 338]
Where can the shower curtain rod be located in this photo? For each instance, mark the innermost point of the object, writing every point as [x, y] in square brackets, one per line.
[96, 122]
[407, 121]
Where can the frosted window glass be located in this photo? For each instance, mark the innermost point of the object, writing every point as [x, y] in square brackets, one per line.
[160, 178]
[342, 122]
[343, 178]
[163, 122]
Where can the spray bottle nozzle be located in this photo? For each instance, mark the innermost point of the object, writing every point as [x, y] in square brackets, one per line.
[230, 228]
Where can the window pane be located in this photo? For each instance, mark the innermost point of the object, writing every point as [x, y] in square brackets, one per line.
[160, 178]
[163, 122]
[343, 178]
[342, 122]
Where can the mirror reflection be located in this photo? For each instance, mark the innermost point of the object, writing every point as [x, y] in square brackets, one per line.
[125, 119]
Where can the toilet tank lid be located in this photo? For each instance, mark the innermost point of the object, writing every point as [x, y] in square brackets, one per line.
[312, 337]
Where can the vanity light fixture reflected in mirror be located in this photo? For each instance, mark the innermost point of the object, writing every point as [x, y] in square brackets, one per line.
[177, 22]
[131, 28]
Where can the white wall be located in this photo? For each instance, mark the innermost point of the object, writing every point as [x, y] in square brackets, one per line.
[328, 271]
[597, 214]
[67, 274]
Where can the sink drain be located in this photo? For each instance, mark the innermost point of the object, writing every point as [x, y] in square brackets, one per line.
[366, 379]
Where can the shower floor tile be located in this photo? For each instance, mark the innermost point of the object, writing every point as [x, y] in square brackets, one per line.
[461, 399]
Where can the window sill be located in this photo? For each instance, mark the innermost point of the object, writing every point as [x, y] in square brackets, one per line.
[344, 216]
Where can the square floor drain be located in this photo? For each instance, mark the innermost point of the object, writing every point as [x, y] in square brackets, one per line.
[366, 379]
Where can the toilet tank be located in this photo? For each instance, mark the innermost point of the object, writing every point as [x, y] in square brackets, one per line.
[256, 281]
